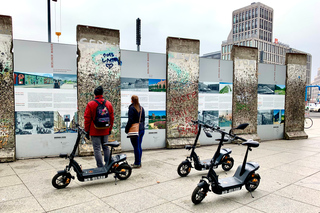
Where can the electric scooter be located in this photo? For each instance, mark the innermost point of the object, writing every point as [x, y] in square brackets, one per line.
[117, 164]
[221, 156]
[244, 175]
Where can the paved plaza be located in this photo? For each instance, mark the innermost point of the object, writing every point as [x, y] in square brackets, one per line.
[289, 170]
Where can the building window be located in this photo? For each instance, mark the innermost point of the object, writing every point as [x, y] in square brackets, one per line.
[246, 25]
[243, 16]
[249, 14]
[240, 16]
[267, 14]
[234, 19]
[246, 15]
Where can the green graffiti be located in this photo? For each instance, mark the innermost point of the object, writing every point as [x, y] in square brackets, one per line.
[241, 107]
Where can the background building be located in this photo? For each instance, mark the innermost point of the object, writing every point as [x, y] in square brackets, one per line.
[213, 55]
[252, 26]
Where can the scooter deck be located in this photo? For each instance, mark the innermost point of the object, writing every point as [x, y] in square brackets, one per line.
[103, 170]
[94, 171]
[230, 182]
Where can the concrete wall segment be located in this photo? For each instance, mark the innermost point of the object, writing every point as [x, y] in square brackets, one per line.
[295, 95]
[245, 84]
[182, 90]
[7, 127]
[99, 63]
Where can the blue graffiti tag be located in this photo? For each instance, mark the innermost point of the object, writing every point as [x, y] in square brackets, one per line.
[107, 58]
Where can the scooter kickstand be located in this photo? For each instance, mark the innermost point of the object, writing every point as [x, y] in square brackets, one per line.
[251, 194]
[115, 179]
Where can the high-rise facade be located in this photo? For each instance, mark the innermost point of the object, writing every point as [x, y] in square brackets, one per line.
[252, 26]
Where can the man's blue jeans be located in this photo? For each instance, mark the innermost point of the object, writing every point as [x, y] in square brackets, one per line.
[136, 143]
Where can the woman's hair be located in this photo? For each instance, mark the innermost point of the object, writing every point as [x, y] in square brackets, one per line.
[135, 102]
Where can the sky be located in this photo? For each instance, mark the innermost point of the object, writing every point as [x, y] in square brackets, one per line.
[296, 22]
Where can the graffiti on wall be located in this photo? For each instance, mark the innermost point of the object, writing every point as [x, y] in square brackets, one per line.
[99, 65]
[182, 94]
[245, 93]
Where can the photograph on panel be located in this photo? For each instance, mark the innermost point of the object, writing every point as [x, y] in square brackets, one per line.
[134, 84]
[265, 117]
[208, 87]
[209, 117]
[124, 121]
[157, 119]
[65, 122]
[278, 116]
[267, 89]
[33, 80]
[64, 81]
[225, 118]
[34, 122]
[280, 89]
[157, 85]
[225, 88]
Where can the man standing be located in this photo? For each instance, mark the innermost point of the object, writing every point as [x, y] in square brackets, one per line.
[98, 123]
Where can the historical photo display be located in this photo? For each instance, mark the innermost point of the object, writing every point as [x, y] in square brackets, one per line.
[34, 122]
[134, 84]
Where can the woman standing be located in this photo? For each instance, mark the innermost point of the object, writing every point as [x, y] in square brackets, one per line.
[136, 113]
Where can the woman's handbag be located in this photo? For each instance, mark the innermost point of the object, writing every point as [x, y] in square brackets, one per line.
[134, 129]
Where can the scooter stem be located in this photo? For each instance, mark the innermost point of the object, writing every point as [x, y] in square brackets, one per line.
[243, 168]
[217, 153]
[198, 134]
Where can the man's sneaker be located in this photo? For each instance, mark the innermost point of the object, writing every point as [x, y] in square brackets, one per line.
[134, 166]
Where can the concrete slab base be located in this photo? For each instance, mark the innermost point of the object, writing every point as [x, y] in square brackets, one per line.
[7, 155]
[295, 135]
[175, 143]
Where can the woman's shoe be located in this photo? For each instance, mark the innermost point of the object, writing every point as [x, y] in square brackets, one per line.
[134, 166]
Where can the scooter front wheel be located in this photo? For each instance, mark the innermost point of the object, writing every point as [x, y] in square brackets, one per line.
[227, 164]
[199, 193]
[124, 171]
[253, 182]
[61, 181]
[184, 169]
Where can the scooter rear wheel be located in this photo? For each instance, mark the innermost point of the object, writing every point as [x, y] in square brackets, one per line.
[61, 181]
[253, 183]
[125, 170]
[199, 193]
[227, 164]
[184, 169]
